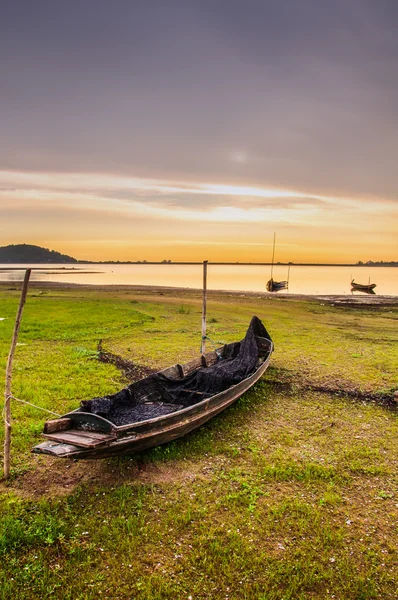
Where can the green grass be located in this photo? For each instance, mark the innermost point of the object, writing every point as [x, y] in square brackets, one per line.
[289, 494]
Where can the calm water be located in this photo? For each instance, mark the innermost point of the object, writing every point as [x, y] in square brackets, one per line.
[302, 280]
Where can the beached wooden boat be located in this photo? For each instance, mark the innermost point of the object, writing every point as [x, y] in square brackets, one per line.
[276, 286]
[363, 287]
[163, 406]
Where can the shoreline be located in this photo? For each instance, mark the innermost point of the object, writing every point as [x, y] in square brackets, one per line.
[332, 299]
[75, 266]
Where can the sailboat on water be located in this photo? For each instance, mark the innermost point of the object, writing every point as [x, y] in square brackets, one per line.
[368, 288]
[272, 285]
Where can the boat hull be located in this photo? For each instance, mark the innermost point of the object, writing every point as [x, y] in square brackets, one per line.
[135, 437]
[363, 287]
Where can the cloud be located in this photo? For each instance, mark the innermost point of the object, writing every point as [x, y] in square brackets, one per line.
[301, 95]
[115, 214]
[159, 199]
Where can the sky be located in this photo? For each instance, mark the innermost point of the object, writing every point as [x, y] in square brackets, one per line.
[196, 129]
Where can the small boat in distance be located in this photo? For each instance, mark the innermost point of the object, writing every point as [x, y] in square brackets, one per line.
[363, 287]
[272, 285]
[163, 406]
[275, 286]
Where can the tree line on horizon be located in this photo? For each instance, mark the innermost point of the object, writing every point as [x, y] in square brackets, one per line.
[30, 253]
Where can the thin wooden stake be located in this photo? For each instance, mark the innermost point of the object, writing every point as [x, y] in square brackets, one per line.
[203, 344]
[273, 256]
[7, 393]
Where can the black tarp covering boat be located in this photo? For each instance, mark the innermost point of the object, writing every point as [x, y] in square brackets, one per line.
[163, 406]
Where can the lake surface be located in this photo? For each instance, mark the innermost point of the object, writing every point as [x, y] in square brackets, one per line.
[302, 280]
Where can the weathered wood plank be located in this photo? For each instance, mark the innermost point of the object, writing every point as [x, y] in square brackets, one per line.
[192, 365]
[57, 425]
[171, 372]
[211, 358]
[83, 439]
[55, 449]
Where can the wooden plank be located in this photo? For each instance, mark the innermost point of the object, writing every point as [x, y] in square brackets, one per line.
[54, 449]
[83, 439]
[57, 425]
[192, 365]
[89, 434]
[211, 358]
[180, 370]
[171, 372]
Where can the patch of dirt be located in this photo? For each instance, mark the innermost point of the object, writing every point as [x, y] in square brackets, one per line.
[51, 477]
[301, 385]
[360, 301]
[131, 370]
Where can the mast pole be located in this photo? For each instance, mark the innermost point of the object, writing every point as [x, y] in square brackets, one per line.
[203, 344]
[273, 255]
[7, 392]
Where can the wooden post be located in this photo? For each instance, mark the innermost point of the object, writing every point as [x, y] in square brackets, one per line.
[203, 344]
[273, 256]
[7, 393]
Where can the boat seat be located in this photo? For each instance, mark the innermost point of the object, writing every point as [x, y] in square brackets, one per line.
[81, 438]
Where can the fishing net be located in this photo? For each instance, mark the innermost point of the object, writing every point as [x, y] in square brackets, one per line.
[158, 394]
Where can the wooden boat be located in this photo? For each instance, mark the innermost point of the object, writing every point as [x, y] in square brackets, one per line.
[163, 406]
[276, 286]
[363, 287]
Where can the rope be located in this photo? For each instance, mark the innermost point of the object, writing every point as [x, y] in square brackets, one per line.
[3, 414]
[206, 337]
[35, 406]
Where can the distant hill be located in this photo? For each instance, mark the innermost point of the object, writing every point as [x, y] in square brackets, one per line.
[27, 253]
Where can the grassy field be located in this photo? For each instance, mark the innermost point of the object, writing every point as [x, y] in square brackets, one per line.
[290, 494]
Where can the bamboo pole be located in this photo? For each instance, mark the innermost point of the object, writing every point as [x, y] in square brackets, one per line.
[203, 344]
[273, 256]
[7, 392]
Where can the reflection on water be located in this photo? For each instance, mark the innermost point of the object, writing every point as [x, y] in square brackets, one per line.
[367, 291]
[315, 280]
